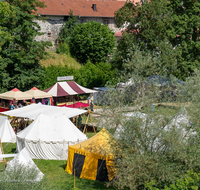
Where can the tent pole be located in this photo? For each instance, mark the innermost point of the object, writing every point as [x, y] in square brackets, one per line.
[86, 122]
[74, 179]
[93, 124]
[4, 160]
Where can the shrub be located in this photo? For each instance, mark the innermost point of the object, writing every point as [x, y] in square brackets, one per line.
[92, 41]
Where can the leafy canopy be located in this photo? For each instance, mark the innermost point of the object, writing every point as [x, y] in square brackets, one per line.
[165, 27]
[92, 41]
[20, 57]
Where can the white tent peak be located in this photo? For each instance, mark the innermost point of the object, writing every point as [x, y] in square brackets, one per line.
[6, 131]
[23, 158]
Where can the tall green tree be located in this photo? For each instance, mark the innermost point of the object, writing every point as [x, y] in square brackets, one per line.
[92, 41]
[5, 11]
[168, 28]
[20, 57]
[68, 28]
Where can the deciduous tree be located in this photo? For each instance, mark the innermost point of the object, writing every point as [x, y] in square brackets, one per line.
[20, 57]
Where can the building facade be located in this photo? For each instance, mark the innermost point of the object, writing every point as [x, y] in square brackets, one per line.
[58, 11]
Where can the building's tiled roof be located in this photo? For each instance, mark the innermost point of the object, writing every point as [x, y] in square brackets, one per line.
[104, 8]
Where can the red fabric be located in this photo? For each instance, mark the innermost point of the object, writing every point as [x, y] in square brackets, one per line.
[51, 99]
[3, 109]
[15, 90]
[61, 91]
[76, 105]
[75, 87]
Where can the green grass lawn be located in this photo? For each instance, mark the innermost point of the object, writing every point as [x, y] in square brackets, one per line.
[55, 174]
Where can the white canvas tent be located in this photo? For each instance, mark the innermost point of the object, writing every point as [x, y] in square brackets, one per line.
[33, 110]
[6, 131]
[48, 138]
[23, 159]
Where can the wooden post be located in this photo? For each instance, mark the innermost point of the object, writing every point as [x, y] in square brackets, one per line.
[86, 122]
[93, 124]
[4, 160]
[74, 179]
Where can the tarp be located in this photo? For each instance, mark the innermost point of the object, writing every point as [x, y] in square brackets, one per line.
[38, 94]
[48, 138]
[15, 94]
[24, 160]
[6, 131]
[33, 110]
[67, 88]
[93, 158]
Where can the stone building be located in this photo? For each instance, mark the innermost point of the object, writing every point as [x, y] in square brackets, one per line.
[57, 12]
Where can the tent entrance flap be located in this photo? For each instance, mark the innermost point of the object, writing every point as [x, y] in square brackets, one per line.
[78, 164]
[102, 173]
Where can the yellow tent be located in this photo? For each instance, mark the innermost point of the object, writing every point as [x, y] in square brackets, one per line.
[93, 158]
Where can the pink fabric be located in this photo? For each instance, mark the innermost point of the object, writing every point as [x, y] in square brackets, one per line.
[76, 105]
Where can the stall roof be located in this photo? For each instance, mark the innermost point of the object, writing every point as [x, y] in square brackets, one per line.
[38, 94]
[33, 110]
[15, 94]
[67, 88]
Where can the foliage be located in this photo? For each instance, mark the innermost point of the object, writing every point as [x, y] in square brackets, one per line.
[89, 75]
[92, 41]
[155, 145]
[63, 47]
[68, 28]
[20, 176]
[20, 57]
[5, 10]
[190, 181]
[164, 27]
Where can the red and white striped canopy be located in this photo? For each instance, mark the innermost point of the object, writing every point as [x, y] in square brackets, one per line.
[67, 88]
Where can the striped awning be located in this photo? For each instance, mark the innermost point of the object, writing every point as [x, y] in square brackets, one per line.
[67, 88]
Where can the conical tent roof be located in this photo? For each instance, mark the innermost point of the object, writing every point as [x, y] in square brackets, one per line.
[23, 158]
[6, 131]
[67, 88]
[103, 143]
[15, 94]
[48, 129]
[38, 94]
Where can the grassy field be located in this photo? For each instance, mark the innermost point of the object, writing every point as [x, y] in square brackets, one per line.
[56, 176]
[53, 58]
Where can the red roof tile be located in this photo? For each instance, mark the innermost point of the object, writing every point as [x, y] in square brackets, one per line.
[81, 7]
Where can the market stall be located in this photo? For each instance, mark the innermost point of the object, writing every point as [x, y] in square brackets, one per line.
[65, 94]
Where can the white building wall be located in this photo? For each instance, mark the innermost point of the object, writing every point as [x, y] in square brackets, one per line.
[52, 26]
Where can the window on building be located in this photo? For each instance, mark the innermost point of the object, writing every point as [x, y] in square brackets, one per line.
[105, 22]
[49, 34]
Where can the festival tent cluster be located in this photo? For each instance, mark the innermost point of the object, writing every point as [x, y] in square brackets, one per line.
[49, 137]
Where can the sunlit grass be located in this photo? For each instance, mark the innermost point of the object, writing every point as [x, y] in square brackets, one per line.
[53, 58]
